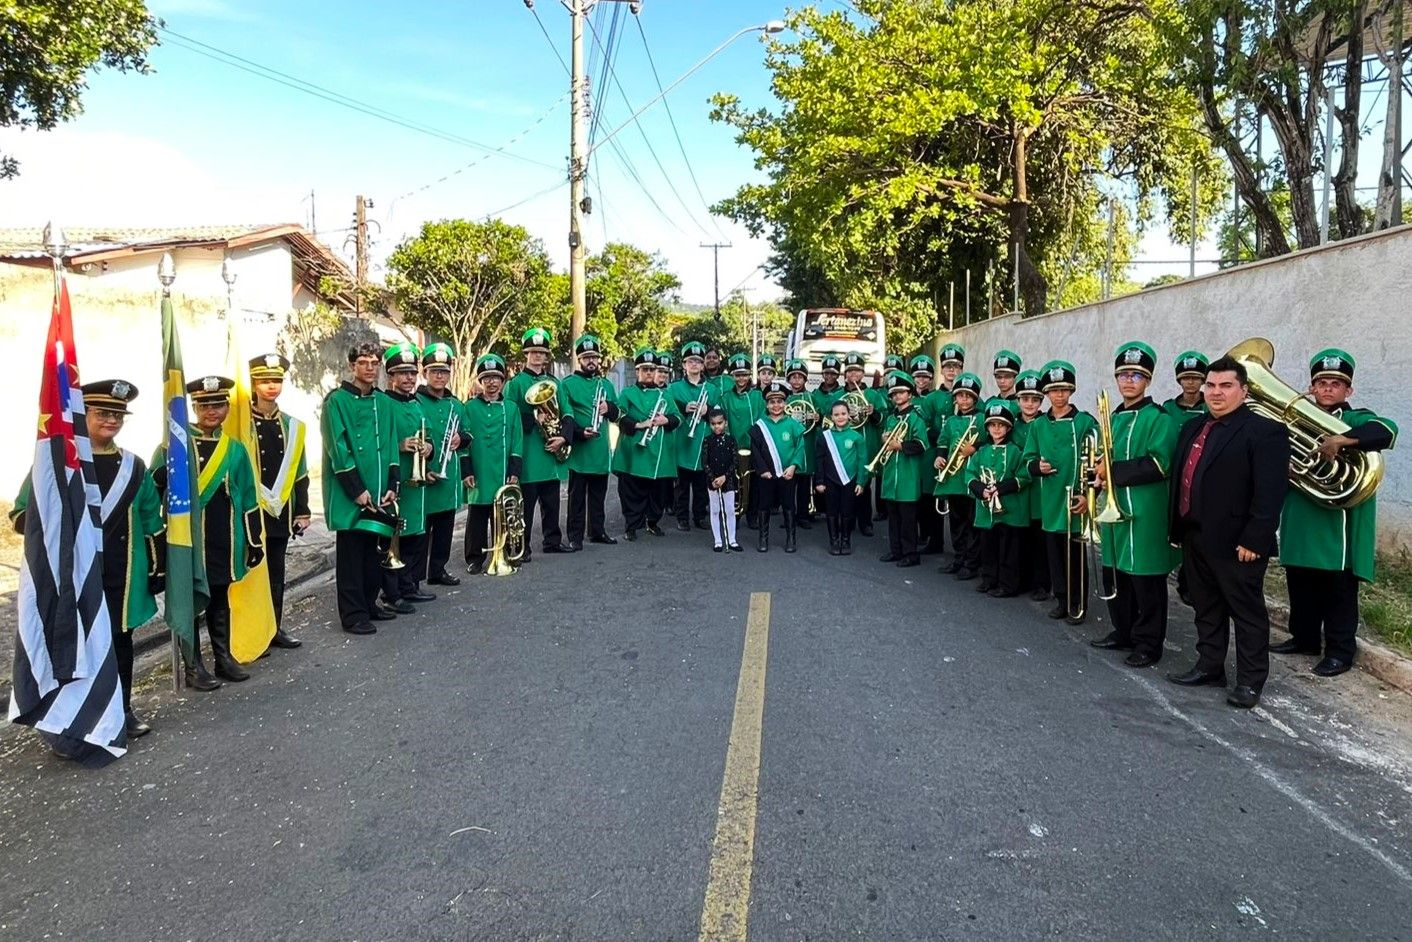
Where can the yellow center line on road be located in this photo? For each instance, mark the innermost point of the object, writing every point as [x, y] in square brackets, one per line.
[725, 916]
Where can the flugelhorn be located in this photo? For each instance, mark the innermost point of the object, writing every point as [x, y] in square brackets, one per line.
[1345, 481]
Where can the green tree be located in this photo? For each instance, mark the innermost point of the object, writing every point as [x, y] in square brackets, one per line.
[732, 332]
[630, 292]
[478, 285]
[916, 141]
[47, 48]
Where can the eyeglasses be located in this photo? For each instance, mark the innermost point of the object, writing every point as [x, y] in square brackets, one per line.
[1130, 376]
[108, 415]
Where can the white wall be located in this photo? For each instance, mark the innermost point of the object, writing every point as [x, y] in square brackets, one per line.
[1356, 295]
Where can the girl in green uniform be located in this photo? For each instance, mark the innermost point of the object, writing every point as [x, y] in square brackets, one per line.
[840, 476]
[776, 453]
[1034, 557]
[992, 475]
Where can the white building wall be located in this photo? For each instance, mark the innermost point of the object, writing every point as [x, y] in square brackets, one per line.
[1353, 294]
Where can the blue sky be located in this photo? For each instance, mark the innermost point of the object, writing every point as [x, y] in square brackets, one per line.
[200, 141]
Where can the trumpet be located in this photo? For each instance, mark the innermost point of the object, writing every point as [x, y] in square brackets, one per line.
[507, 531]
[544, 396]
[957, 459]
[992, 503]
[598, 398]
[660, 408]
[895, 436]
[418, 476]
[453, 428]
[701, 403]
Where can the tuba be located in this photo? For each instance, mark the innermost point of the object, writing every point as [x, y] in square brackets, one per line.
[1350, 478]
[544, 396]
[507, 531]
[803, 412]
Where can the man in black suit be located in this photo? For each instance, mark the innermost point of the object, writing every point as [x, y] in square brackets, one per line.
[1231, 473]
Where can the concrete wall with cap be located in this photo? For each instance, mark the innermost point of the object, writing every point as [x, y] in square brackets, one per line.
[1355, 294]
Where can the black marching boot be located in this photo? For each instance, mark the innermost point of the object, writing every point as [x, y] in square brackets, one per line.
[835, 539]
[763, 525]
[226, 667]
[790, 520]
[845, 537]
[197, 677]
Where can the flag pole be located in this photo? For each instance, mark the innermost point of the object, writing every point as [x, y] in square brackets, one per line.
[166, 274]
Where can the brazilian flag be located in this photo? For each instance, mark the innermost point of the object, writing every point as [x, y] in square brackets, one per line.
[187, 590]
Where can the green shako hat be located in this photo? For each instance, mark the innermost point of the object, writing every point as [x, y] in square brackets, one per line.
[738, 364]
[967, 383]
[490, 364]
[1000, 410]
[1006, 361]
[1058, 374]
[793, 366]
[894, 361]
[766, 362]
[1134, 357]
[830, 364]
[401, 358]
[693, 348]
[665, 359]
[438, 355]
[644, 356]
[1028, 383]
[855, 361]
[776, 390]
[953, 354]
[899, 379]
[1191, 363]
[921, 365]
[1332, 363]
[537, 338]
[588, 344]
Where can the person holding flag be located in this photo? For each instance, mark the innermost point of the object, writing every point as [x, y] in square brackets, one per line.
[66, 681]
[281, 477]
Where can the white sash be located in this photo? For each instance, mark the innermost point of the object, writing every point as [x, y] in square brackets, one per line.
[271, 496]
[119, 487]
[843, 476]
[770, 446]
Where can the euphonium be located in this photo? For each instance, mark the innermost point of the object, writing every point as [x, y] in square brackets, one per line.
[507, 531]
[544, 396]
[803, 412]
[1346, 481]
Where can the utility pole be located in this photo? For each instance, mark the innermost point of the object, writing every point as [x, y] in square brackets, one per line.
[360, 248]
[578, 171]
[715, 248]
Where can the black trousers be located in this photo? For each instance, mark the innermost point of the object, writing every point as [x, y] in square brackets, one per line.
[689, 503]
[902, 528]
[1139, 611]
[863, 505]
[838, 500]
[357, 575]
[659, 499]
[1323, 610]
[276, 551]
[408, 579]
[879, 501]
[122, 640]
[1074, 592]
[477, 530]
[964, 541]
[1000, 556]
[1226, 590]
[586, 495]
[931, 524]
[545, 496]
[634, 493]
[771, 494]
[441, 530]
[1034, 558]
[803, 490]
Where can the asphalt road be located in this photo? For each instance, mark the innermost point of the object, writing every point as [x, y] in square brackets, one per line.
[542, 757]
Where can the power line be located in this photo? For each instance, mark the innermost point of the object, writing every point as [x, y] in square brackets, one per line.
[650, 149]
[533, 196]
[547, 38]
[671, 118]
[318, 91]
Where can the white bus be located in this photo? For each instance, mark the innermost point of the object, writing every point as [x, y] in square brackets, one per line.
[819, 332]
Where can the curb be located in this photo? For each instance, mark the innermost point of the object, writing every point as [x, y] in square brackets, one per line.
[1378, 660]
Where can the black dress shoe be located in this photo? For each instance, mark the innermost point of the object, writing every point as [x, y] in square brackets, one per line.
[362, 628]
[907, 562]
[477, 567]
[419, 596]
[999, 593]
[965, 575]
[888, 558]
[1075, 619]
[1332, 667]
[702, 524]
[630, 536]
[227, 668]
[1058, 611]
[683, 526]
[284, 639]
[655, 530]
[1291, 646]
[950, 569]
[200, 680]
[984, 586]
[866, 529]
[1111, 642]
[1039, 595]
[576, 546]
[1244, 696]
[1141, 659]
[718, 548]
[382, 614]
[735, 548]
[1196, 677]
[603, 540]
[931, 549]
[444, 578]
[134, 727]
[401, 607]
[555, 548]
[802, 522]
